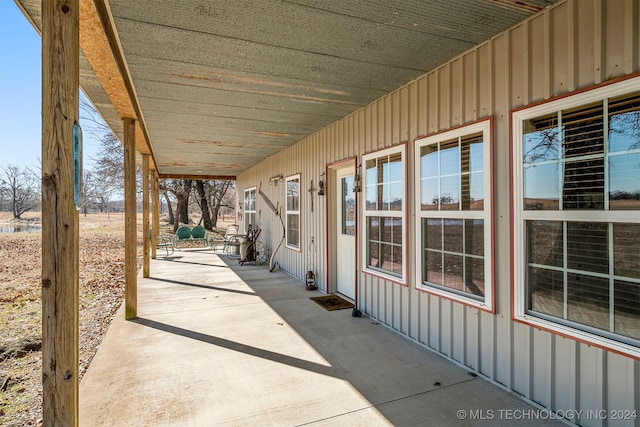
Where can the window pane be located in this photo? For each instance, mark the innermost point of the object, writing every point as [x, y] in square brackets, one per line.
[474, 276]
[348, 207]
[371, 195]
[385, 257]
[583, 184]
[429, 194]
[387, 230]
[472, 188]
[541, 191]
[624, 123]
[374, 254]
[373, 228]
[587, 246]
[429, 161]
[453, 235]
[624, 181]
[397, 260]
[583, 130]
[545, 242]
[546, 291]
[626, 250]
[588, 300]
[627, 309]
[433, 267]
[474, 236]
[453, 272]
[472, 151]
[450, 192]
[540, 141]
[449, 157]
[393, 169]
[396, 190]
[293, 229]
[432, 237]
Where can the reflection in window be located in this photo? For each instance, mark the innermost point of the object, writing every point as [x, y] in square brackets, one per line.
[384, 189]
[454, 213]
[293, 211]
[249, 207]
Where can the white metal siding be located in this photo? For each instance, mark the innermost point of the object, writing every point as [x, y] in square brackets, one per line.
[571, 46]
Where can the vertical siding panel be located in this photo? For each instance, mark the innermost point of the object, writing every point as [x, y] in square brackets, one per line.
[631, 37]
[444, 96]
[470, 92]
[560, 53]
[590, 381]
[517, 55]
[565, 378]
[539, 57]
[413, 111]
[599, 26]
[394, 130]
[404, 113]
[487, 346]
[620, 385]
[472, 334]
[541, 364]
[485, 69]
[422, 106]
[572, 46]
[432, 103]
[381, 121]
[585, 23]
[434, 322]
[526, 63]
[521, 369]
[446, 327]
[614, 43]
[458, 331]
[458, 91]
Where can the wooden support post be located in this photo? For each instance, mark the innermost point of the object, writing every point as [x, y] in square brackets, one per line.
[130, 221]
[60, 231]
[145, 215]
[155, 217]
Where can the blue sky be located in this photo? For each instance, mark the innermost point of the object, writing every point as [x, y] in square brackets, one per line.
[21, 92]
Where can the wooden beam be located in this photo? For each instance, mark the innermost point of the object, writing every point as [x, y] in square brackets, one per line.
[130, 221]
[60, 231]
[155, 217]
[145, 215]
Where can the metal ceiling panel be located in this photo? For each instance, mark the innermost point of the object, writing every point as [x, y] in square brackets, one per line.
[222, 85]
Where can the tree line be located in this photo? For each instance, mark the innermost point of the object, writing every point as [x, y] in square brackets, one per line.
[103, 184]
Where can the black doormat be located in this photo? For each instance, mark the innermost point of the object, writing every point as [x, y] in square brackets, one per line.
[332, 302]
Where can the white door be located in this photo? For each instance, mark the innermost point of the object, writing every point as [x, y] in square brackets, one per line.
[345, 233]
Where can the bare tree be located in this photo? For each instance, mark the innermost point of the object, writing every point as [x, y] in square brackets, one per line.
[21, 187]
[220, 194]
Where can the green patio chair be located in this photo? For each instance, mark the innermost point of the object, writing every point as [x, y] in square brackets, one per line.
[183, 233]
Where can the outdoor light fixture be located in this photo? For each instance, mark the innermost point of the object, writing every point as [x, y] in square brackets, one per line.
[321, 185]
[275, 179]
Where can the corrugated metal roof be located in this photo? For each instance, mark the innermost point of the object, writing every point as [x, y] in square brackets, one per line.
[222, 85]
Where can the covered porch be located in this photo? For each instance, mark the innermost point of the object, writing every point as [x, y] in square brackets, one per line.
[224, 344]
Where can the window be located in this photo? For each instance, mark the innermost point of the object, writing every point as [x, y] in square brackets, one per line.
[453, 214]
[293, 212]
[249, 207]
[384, 213]
[577, 216]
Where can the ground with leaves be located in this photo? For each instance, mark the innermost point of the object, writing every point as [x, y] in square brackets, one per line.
[101, 293]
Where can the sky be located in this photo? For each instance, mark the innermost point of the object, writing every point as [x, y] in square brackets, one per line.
[21, 93]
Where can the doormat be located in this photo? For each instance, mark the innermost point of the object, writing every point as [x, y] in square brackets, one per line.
[332, 302]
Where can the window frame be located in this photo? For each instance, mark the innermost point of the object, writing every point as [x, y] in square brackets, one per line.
[247, 212]
[294, 177]
[520, 260]
[401, 149]
[484, 126]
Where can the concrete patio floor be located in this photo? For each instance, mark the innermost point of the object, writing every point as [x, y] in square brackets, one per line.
[217, 343]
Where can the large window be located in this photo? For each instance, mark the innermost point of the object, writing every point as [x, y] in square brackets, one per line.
[577, 215]
[249, 207]
[453, 214]
[293, 212]
[384, 213]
